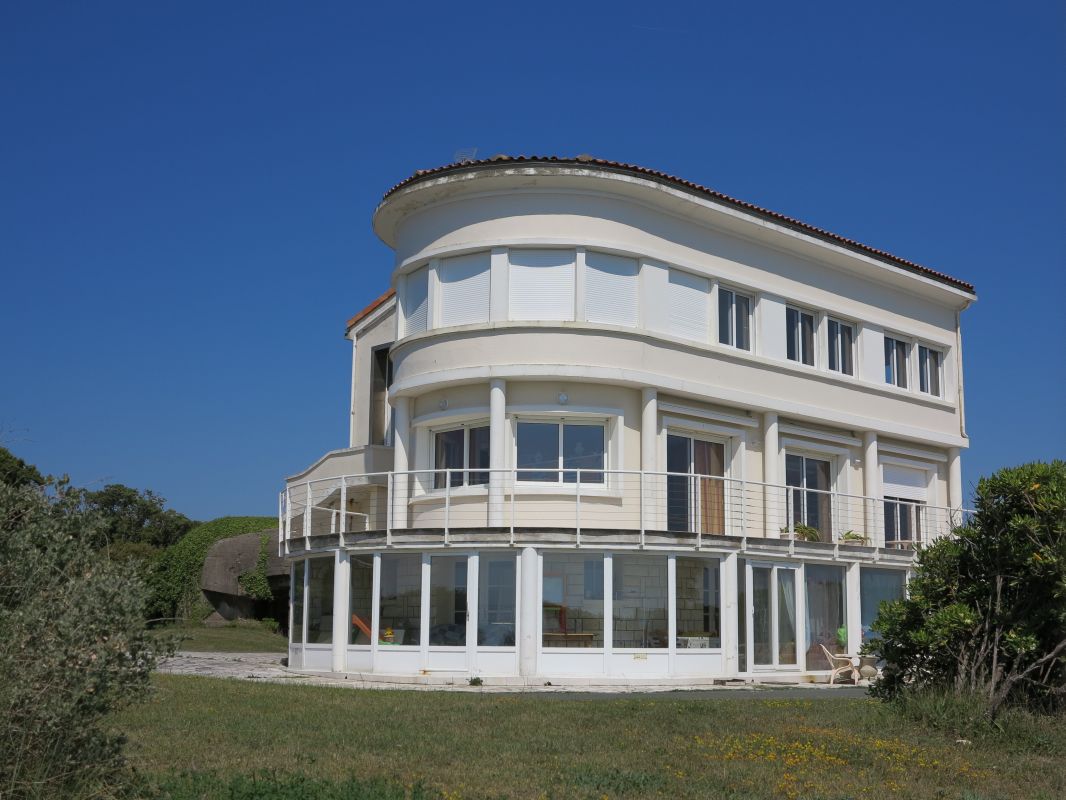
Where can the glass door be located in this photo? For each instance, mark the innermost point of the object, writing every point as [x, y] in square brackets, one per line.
[771, 616]
[810, 501]
[695, 500]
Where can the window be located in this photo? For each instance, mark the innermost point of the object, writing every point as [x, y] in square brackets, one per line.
[929, 361]
[416, 301]
[447, 601]
[464, 289]
[496, 601]
[698, 609]
[610, 289]
[841, 346]
[400, 600]
[809, 498]
[903, 522]
[695, 499]
[541, 285]
[320, 601]
[465, 450]
[896, 362]
[360, 600]
[296, 630]
[827, 618]
[551, 452]
[639, 602]
[569, 617]
[734, 319]
[800, 328]
[380, 379]
[688, 297]
[877, 586]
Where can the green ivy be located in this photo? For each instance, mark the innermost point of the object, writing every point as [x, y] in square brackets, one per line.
[175, 577]
[254, 581]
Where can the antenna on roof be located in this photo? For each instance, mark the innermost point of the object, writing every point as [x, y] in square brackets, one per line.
[465, 156]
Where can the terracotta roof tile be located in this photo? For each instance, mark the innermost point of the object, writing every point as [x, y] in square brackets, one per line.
[370, 308]
[695, 188]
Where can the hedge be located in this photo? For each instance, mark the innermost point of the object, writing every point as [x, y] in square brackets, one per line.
[175, 577]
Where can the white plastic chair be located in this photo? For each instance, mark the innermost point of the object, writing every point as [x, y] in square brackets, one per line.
[845, 663]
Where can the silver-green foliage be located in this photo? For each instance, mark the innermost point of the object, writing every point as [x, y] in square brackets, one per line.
[73, 649]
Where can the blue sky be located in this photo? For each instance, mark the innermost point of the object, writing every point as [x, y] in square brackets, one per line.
[186, 191]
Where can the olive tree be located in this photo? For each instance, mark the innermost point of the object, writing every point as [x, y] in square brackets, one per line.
[986, 609]
[73, 648]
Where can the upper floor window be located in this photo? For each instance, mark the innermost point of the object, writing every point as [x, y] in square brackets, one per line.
[903, 522]
[896, 362]
[611, 291]
[688, 297]
[929, 362]
[841, 345]
[464, 289]
[734, 319]
[465, 450]
[800, 328]
[416, 301]
[552, 452]
[541, 285]
[809, 498]
[380, 380]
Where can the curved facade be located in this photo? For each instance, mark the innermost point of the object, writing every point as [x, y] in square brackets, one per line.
[611, 424]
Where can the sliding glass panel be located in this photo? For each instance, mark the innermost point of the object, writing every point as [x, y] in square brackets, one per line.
[448, 454]
[583, 448]
[296, 633]
[901, 365]
[639, 608]
[400, 615]
[834, 345]
[792, 328]
[742, 311]
[496, 601]
[361, 599]
[320, 601]
[819, 514]
[846, 344]
[826, 614]
[572, 600]
[697, 605]
[708, 458]
[878, 586]
[890, 360]
[538, 447]
[678, 459]
[447, 601]
[762, 616]
[725, 316]
[742, 614]
[478, 455]
[807, 325]
[786, 616]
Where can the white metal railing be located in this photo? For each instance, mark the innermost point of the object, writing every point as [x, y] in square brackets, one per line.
[573, 503]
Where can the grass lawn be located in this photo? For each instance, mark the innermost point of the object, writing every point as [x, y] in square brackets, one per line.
[234, 637]
[550, 746]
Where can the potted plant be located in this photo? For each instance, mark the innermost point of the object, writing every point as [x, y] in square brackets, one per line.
[842, 638]
[853, 537]
[804, 533]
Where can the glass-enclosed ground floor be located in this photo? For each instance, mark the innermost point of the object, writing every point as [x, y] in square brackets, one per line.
[582, 613]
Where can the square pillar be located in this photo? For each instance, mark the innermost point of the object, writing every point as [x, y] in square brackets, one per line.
[401, 415]
[774, 499]
[341, 586]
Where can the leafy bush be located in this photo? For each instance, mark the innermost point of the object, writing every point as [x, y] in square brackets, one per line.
[986, 611]
[136, 516]
[254, 582]
[74, 649]
[175, 579]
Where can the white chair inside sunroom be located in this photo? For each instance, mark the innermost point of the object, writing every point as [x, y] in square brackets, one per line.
[839, 663]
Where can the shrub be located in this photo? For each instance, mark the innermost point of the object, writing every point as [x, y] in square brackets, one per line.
[175, 578]
[986, 611]
[74, 649]
[254, 582]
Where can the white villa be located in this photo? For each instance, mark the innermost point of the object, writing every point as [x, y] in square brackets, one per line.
[610, 425]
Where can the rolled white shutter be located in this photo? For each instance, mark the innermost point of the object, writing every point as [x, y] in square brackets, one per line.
[464, 289]
[688, 297]
[610, 289]
[905, 483]
[416, 301]
[541, 285]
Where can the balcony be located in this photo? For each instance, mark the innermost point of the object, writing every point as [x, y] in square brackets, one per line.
[608, 508]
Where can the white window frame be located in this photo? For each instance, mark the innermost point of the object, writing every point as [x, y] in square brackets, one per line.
[797, 332]
[611, 423]
[465, 427]
[732, 321]
[694, 434]
[837, 349]
[925, 374]
[899, 341]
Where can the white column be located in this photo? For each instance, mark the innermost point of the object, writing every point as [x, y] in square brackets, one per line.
[730, 632]
[955, 499]
[529, 594]
[671, 611]
[401, 415]
[341, 585]
[654, 490]
[853, 607]
[351, 405]
[774, 500]
[871, 485]
[497, 450]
